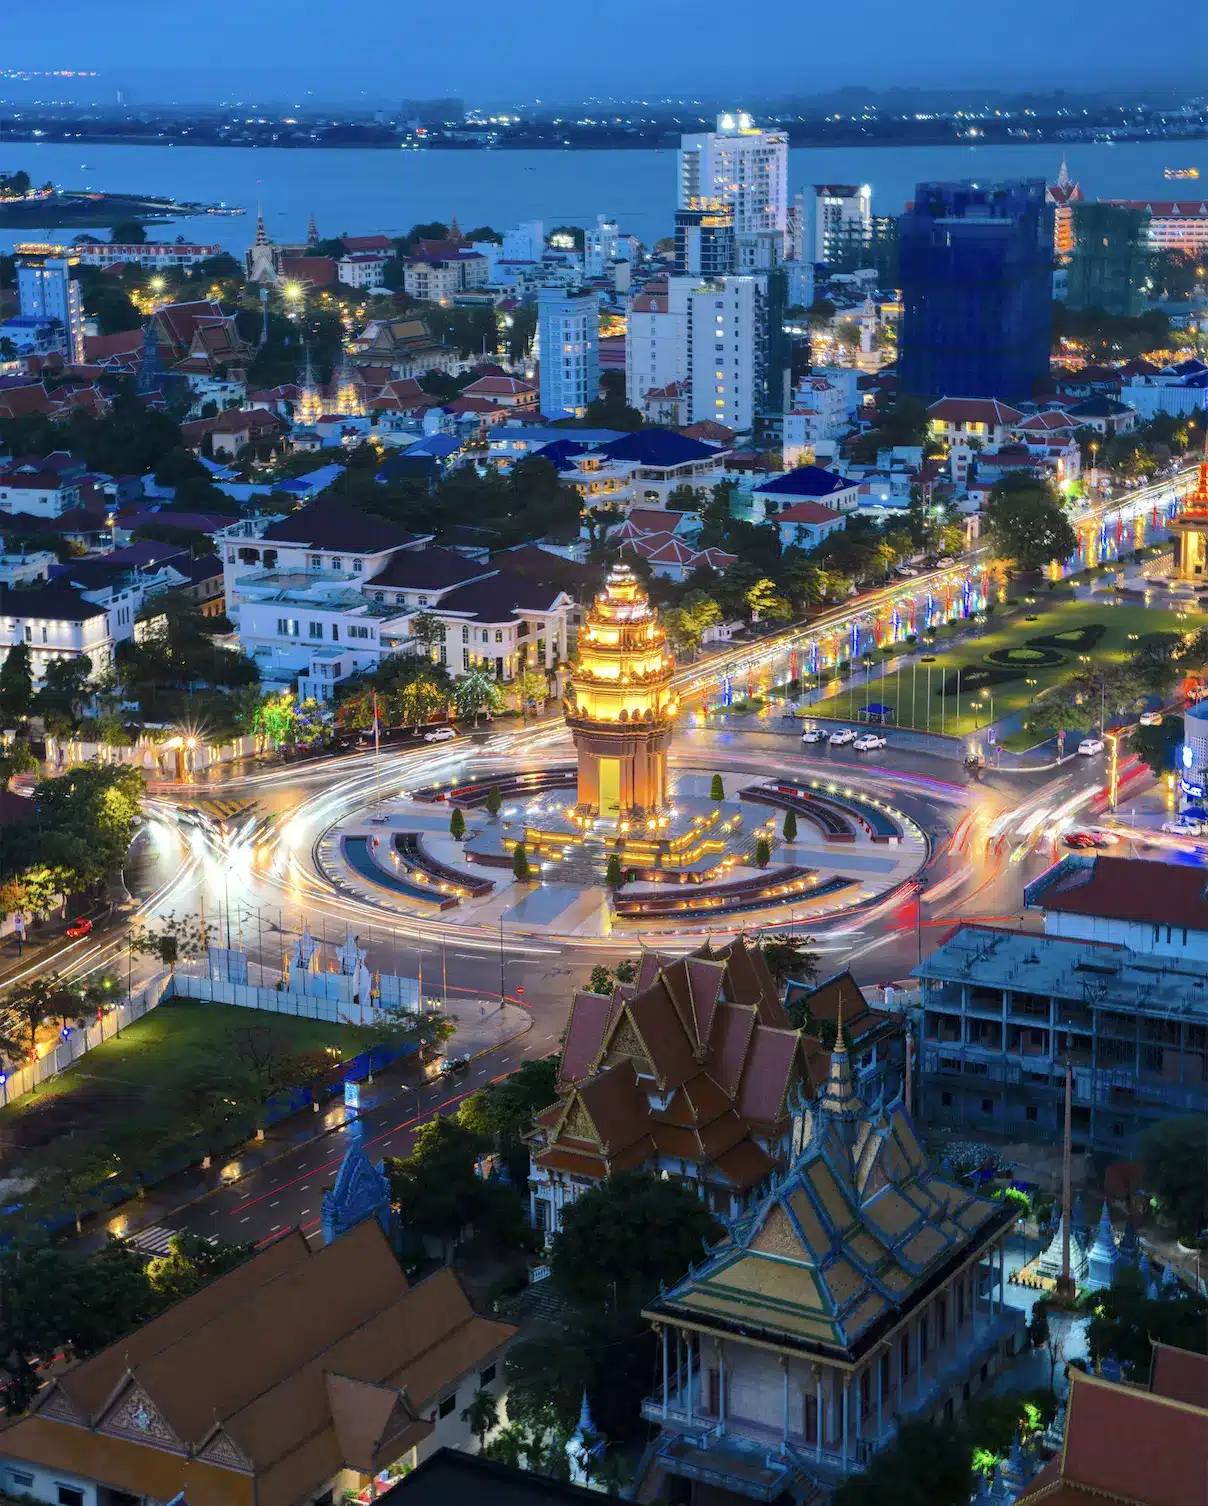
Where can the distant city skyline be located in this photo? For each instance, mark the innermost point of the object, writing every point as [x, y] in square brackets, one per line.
[284, 50]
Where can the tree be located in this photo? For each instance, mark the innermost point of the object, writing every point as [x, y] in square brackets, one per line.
[927, 1464]
[481, 1415]
[600, 981]
[29, 1007]
[428, 630]
[1174, 1154]
[504, 1111]
[1023, 521]
[128, 233]
[1126, 1322]
[475, 692]
[1158, 747]
[493, 803]
[766, 603]
[520, 864]
[191, 1263]
[17, 758]
[717, 790]
[530, 687]
[787, 959]
[614, 874]
[457, 824]
[64, 689]
[763, 852]
[16, 686]
[789, 830]
[626, 1235]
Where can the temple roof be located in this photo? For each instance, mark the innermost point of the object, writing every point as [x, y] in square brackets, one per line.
[694, 1061]
[849, 1237]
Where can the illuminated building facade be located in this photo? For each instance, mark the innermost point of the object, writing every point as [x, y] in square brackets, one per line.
[620, 706]
[1191, 532]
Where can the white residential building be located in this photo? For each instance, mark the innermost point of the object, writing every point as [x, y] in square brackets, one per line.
[569, 340]
[26, 569]
[745, 167]
[725, 350]
[524, 242]
[602, 245]
[158, 256]
[363, 269]
[656, 339]
[39, 494]
[819, 414]
[58, 622]
[1168, 392]
[841, 218]
[47, 291]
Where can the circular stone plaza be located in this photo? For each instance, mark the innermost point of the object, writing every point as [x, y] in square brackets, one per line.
[619, 832]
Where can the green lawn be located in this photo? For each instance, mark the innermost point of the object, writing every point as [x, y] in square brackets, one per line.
[973, 711]
[170, 1044]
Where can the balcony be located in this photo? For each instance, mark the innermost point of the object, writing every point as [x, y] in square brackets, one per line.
[752, 1457]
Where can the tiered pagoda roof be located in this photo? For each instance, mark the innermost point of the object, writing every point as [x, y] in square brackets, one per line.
[695, 1062]
[851, 1236]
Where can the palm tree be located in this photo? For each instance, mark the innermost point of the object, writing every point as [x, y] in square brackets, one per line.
[482, 1415]
[510, 1444]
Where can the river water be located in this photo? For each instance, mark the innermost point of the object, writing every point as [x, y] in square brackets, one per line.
[360, 191]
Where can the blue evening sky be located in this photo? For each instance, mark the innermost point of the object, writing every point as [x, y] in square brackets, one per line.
[557, 50]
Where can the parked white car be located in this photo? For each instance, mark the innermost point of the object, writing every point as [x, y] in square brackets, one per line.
[1151, 719]
[812, 735]
[844, 735]
[440, 735]
[869, 740]
[1089, 746]
[1181, 827]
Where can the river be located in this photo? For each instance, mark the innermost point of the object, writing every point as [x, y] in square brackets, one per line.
[359, 191]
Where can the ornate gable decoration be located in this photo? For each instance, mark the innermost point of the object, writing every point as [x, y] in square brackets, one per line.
[58, 1405]
[223, 1451]
[577, 1122]
[623, 1040]
[134, 1415]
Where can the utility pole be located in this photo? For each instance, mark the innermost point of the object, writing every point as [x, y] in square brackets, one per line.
[1065, 1282]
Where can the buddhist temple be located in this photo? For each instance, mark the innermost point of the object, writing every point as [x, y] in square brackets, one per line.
[302, 1376]
[864, 1289]
[619, 704]
[1191, 531]
[1124, 1444]
[687, 1072]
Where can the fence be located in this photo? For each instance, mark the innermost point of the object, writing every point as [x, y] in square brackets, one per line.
[78, 1042]
[339, 1009]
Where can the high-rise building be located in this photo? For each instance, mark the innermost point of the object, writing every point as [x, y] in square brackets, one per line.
[841, 222]
[568, 332]
[656, 338]
[727, 350]
[601, 245]
[746, 168]
[704, 240]
[47, 290]
[1111, 260]
[976, 274]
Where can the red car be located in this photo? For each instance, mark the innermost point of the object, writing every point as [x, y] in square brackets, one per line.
[78, 928]
[1079, 839]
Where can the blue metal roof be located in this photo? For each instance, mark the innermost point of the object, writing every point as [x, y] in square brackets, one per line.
[805, 481]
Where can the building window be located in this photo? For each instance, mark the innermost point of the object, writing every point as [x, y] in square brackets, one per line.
[987, 1105]
[485, 1377]
[335, 632]
[315, 629]
[356, 567]
[21, 1477]
[946, 1100]
[336, 562]
[447, 1404]
[1031, 1113]
[70, 1496]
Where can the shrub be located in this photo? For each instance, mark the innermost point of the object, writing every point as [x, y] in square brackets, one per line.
[613, 876]
[763, 852]
[520, 864]
[789, 830]
[717, 790]
[494, 800]
[457, 824]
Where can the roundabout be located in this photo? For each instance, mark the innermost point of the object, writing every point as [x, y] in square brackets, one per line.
[613, 835]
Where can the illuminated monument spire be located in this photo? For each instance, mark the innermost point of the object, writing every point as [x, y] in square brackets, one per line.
[620, 706]
[309, 407]
[1191, 531]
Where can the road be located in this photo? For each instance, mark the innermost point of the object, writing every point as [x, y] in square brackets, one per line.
[246, 864]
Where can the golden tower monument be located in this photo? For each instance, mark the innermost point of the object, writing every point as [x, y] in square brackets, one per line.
[620, 706]
[1191, 532]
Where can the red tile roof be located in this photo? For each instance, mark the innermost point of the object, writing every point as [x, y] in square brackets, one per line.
[1125, 1445]
[319, 271]
[1179, 1375]
[809, 512]
[1136, 889]
[977, 410]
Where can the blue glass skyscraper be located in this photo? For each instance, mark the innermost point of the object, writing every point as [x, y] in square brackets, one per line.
[977, 290]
